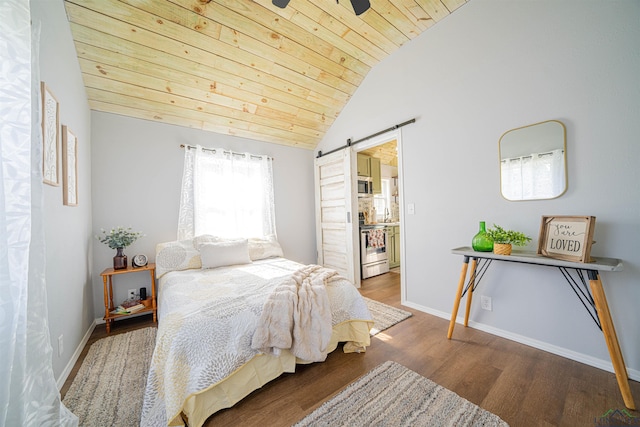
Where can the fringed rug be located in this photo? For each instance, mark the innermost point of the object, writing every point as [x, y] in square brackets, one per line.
[392, 395]
[384, 316]
[109, 387]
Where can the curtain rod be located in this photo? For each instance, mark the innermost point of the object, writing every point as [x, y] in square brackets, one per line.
[530, 156]
[213, 150]
[350, 143]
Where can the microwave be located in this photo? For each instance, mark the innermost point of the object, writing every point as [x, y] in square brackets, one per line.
[365, 186]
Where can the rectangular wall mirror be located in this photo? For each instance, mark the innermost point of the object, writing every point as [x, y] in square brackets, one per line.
[533, 161]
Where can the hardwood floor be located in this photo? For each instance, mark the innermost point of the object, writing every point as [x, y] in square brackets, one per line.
[523, 385]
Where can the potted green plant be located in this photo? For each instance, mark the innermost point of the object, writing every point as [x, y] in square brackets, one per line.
[119, 238]
[504, 239]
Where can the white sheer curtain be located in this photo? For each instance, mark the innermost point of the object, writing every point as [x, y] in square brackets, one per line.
[28, 392]
[226, 194]
[536, 176]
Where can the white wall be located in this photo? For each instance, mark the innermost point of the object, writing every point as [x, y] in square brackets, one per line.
[137, 174]
[489, 67]
[68, 230]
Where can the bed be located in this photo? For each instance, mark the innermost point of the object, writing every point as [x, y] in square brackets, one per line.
[221, 304]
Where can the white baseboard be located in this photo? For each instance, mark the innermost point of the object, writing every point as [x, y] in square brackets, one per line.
[74, 358]
[606, 365]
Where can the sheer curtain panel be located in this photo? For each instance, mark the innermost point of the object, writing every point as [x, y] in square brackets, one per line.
[226, 194]
[535, 176]
[28, 391]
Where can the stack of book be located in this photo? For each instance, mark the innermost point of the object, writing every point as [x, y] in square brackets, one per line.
[136, 308]
[128, 310]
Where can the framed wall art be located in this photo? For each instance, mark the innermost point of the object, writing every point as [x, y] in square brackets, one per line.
[69, 167]
[50, 136]
[567, 237]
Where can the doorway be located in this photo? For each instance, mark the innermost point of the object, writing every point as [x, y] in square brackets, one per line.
[384, 207]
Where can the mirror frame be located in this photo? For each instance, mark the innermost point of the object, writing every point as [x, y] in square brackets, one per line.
[564, 160]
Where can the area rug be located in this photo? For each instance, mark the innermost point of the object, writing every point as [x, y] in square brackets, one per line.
[109, 387]
[393, 395]
[384, 316]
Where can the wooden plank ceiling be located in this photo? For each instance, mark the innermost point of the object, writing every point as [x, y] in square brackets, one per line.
[239, 67]
[387, 153]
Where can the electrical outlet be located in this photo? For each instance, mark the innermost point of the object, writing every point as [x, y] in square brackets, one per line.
[485, 303]
[60, 345]
[132, 293]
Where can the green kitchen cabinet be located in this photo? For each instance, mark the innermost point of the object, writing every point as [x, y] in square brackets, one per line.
[364, 165]
[374, 166]
[393, 245]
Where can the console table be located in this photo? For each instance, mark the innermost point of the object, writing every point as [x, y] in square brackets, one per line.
[594, 300]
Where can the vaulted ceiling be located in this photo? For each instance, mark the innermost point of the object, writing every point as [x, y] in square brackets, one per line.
[239, 67]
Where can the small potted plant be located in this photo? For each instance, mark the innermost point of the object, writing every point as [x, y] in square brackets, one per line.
[504, 239]
[119, 238]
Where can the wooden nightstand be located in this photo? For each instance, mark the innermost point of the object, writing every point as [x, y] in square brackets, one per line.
[107, 278]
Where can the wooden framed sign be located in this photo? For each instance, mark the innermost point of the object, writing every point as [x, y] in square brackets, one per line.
[567, 237]
[50, 135]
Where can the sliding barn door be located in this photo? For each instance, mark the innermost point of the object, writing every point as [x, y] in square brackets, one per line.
[337, 240]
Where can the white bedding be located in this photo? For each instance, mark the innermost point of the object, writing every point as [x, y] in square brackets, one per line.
[207, 318]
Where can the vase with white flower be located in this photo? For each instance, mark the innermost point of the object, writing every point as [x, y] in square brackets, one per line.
[119, 238]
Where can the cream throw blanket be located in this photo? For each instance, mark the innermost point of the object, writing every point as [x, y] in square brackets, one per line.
[297, 316]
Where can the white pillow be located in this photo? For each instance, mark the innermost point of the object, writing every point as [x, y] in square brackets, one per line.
[180, 255]
[204, 239]
[220, 254]
[266, 247]
[177, 255]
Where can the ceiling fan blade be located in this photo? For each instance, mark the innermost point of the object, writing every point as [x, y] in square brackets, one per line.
[280, 3]
[359, 6]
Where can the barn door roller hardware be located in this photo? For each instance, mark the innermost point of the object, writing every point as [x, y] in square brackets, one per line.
[350, 142]
[359, 6]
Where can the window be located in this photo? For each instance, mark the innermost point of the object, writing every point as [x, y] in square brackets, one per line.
[226, 194]
[382, 202]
